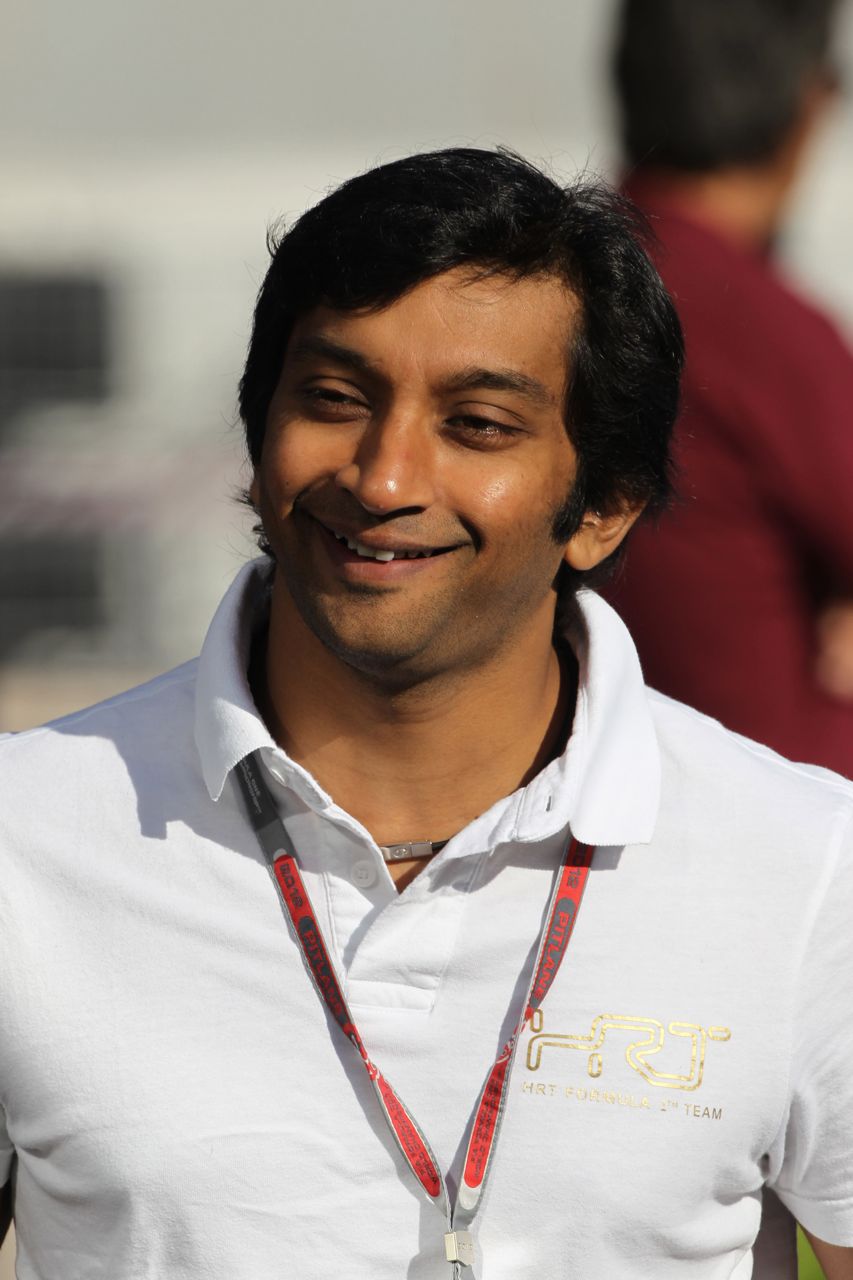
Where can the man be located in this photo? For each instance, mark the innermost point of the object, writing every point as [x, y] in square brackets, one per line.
[593, 944]
[741, 602]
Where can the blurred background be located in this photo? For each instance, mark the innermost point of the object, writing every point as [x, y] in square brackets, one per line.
[145, 150]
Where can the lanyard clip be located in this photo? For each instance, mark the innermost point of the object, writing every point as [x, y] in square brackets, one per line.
[459, 1247]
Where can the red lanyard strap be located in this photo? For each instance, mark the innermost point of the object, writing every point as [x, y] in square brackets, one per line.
[563, 909]
[562, 913]
[307, 931]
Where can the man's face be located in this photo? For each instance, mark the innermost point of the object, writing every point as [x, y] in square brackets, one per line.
[434, 430]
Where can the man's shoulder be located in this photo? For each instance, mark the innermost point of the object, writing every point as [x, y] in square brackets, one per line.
[730, 777]
[147, 720]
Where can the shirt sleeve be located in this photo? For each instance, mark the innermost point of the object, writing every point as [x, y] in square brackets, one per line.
[812, 1164]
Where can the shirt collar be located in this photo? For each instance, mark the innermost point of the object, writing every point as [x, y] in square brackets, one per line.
[227, 723]
[605, 786]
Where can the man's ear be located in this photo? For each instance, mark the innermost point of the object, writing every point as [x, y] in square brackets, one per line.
[599, 536]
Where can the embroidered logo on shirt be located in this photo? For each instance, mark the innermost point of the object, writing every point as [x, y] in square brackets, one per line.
[649, 1038]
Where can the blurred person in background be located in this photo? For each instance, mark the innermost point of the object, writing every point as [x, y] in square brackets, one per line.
[741, 599]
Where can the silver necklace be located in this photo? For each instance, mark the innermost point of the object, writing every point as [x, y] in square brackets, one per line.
[411, 849]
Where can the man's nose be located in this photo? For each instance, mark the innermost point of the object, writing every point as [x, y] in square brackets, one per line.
[393, 465]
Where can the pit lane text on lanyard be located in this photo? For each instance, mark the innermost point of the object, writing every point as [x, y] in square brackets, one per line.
[563, 907]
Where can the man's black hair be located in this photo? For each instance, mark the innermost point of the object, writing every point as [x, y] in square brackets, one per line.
[384, 232]
[707, 84]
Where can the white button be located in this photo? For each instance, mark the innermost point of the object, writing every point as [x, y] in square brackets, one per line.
[363, 874]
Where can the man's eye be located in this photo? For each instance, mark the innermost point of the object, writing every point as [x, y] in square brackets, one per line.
[332, 400]
[483, 431]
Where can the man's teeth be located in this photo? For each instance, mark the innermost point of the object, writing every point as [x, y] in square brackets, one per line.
[372, 554]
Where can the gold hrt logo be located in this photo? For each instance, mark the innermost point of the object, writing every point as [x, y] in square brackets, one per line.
[651, 1039]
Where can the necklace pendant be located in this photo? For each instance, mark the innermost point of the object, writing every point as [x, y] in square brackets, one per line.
[408, 849]
[459, 1247]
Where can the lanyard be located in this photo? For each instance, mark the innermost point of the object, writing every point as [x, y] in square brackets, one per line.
[563, 907]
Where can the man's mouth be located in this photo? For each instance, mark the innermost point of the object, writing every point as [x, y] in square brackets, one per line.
[386, 553]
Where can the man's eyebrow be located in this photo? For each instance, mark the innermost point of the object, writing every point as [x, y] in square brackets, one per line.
[476, 379]
[473, 378]
[317, 345]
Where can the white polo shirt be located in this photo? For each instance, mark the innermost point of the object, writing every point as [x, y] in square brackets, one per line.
[181, 1107]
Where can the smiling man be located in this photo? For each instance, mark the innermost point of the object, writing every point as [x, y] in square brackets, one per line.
[406, 932]
[401, 450]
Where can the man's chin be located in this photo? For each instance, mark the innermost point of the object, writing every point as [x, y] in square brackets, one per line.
[381, 650]
[393, 662]
[366, 634]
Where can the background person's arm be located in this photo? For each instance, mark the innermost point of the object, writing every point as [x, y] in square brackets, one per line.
[836, 1260]
[834, 668]
[7, 1173]
[5, 1210]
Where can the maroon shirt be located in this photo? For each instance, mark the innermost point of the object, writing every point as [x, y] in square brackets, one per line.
[723, 595]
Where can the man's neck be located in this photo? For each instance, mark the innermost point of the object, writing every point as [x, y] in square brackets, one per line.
[421, 763]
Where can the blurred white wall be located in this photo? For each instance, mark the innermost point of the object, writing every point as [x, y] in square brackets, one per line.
[367, 74]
